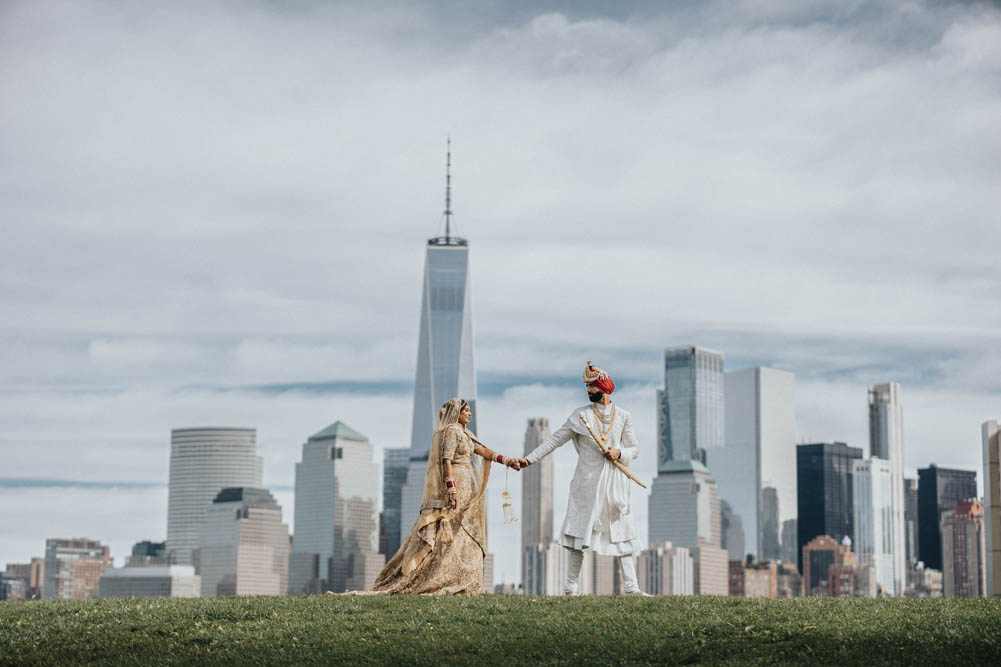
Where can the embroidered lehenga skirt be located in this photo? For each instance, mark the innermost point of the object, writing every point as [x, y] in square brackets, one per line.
[443, 554]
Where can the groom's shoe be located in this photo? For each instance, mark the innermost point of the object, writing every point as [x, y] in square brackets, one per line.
[641, 594]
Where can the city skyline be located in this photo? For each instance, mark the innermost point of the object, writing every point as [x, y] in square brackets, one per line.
[270, 283]
[281, 490]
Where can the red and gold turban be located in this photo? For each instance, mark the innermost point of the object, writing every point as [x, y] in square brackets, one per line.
[597, 378]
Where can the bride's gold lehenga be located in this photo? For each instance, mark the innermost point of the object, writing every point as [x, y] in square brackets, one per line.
[443, 554]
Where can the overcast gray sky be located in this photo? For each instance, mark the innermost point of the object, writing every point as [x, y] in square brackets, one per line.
[215, 213]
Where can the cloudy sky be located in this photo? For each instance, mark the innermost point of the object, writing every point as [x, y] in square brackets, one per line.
[215, 213]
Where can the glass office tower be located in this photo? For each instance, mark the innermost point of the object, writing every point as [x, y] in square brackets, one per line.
[336, 539]
[991, 437]
[756, 470]
[939, 490]
[690, 417]
[395, 463]
[872, 507]
[203, 461]
[445, 367]
[536, 511]
[824, 492]
[886, 441]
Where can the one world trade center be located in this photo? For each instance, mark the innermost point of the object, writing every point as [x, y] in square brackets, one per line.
[445, 366]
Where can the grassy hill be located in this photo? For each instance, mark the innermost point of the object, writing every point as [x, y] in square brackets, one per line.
[501, 630]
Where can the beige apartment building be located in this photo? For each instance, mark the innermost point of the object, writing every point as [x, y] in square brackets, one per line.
[964, 567]
[73, 568]
[243, 548]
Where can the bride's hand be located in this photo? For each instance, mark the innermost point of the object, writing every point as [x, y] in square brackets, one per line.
[453, 501]
[514, 463]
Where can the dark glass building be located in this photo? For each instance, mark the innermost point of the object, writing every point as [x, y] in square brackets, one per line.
[395, 463]
[824, 492]
[939, 489]
[690, 407]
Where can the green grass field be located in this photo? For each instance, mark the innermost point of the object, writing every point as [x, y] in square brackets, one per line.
[501, 630]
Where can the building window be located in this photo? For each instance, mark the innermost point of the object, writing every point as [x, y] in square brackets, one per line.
[446, 298]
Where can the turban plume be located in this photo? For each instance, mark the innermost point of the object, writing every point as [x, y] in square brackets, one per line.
[599, 379]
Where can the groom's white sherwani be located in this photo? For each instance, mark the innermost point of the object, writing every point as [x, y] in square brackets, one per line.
[599, 515]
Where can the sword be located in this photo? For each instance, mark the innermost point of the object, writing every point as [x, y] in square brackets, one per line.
[600, 444]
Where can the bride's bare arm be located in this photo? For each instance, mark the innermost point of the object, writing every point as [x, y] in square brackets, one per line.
[499, 458]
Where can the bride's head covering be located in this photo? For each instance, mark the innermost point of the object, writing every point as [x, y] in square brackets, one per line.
[434, 481]
[449, 413]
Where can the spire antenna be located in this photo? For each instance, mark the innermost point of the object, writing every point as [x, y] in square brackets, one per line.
[448, 239]
[448, 189]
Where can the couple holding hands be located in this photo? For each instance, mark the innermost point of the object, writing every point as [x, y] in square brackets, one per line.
[443, 553]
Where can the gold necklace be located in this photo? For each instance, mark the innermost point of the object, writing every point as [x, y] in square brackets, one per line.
[601, 419]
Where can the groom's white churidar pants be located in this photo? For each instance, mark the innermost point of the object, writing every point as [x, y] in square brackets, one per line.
[575, 559]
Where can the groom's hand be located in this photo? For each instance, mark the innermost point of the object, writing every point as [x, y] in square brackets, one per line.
[522, 463]
[612, 453]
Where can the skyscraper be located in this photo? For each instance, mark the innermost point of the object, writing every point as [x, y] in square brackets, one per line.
[336, 538]
[731, 532]
[939, 489]
[395, 463]
[684, 502]
[73, 568]
[445, 367]
[684, 506]
[243, 545]
[537, 511]
[872, 507]
[911, 518]
[991, 435]
[963, 541]
[886, 441]
[790, 538]
[824, 492]
[203, 461]
[690, 407]
[756, 470]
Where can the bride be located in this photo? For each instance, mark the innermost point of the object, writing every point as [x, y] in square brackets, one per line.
[443, 554]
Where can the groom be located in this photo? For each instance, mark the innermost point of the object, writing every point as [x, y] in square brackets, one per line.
[599, 516]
